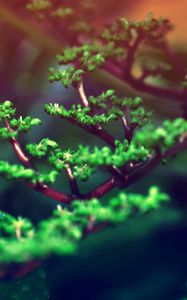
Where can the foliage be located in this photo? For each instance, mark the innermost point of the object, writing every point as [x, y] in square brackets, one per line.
[21, 242]
[125, 160]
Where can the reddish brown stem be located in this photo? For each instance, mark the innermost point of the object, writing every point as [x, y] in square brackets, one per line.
[19, 270]
[131, 54]
[154, 161]
[97, 129]
[51, 193]
[99, 132]
[17, 148]
[72, 182]
[102, 189]
[44, 189]
[170, 94]
[48, 191]
[135, 174]
[96, 228]
[142, 170]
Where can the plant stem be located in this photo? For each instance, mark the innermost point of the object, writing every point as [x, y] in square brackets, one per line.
[99, 132]
[97, 129]
[102, 189]
[130, 59]
[179, 96]
[72, 182]
[18, 149]
[39, 187]
[82, 94]
[96, 228]
[51, 193]
[154, 161]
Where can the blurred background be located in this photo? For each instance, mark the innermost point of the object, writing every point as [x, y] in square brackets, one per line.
[144, 259]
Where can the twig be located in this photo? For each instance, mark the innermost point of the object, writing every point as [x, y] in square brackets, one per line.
[95, 228]
[102, 189]
[179, 96]
[131, 54]
[82, 94]
[127, 126]
[51, 193]
[154, 161]
[97, 129]
[99, 132]
[39, 187]
[72, 182]
[17, 148]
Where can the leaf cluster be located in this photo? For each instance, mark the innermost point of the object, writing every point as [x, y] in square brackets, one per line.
[142, 141]
[84, 162]
[20, 241]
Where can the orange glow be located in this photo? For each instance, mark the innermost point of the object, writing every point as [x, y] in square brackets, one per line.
[175, 10]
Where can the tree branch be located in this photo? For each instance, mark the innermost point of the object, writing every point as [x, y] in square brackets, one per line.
[72, 182]
[130, 59]
[154, 161]
[179, 96]
[82, 94]
[99, 132]
[39, 187]
[97, 129]
[18, 149]
[51, 193]
[102, 189]
[174, 59]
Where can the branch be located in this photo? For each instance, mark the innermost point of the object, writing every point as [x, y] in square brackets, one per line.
[135, 173]
[174, 59]
[82, 94]
[72, 182]
[154, 161]
[138, 171]
[102, 189]
[19, 270]
[142, 170]
[39, 187]
[132, 52]
[99, 132]
[17, 148]
[97, 129]
[179, 96]
[128, 127]
[51, 193]
[94, 228]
